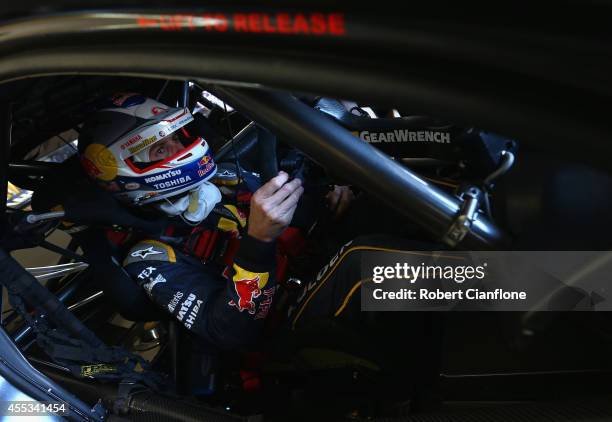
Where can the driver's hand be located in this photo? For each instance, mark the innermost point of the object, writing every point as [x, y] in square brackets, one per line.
[272, 207]
[339, 199]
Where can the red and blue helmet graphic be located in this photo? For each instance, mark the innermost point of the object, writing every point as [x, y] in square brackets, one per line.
[170, 181]
[125, 128]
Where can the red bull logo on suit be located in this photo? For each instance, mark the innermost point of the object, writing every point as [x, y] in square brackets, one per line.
[248, 286]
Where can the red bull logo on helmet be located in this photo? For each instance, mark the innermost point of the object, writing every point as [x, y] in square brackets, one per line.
[248, 286]
[204, 160]
[208, 163]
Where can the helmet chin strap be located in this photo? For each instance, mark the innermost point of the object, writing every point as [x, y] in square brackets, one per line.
[194, 206]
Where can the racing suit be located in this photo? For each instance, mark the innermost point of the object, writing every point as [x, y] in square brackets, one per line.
[217, 283]
[223, 294]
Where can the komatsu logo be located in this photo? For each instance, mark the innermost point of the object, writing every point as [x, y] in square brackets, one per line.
[163, 176]
[405, 136]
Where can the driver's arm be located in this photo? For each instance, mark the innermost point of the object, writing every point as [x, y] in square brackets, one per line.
[251, 289]
[227, 312]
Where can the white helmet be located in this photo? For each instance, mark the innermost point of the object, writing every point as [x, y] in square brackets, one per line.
[118, 150]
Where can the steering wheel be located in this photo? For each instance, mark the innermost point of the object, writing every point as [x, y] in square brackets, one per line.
[268, 155]
[270, 162]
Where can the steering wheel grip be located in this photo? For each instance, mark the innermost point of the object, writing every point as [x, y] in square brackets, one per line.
[268, 160]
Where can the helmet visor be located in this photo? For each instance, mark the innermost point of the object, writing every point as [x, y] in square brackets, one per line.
[162, 151]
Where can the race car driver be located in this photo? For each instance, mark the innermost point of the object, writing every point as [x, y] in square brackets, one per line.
[220, 281]
[141, 151]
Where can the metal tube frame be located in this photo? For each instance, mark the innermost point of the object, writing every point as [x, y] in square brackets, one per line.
[336, 148]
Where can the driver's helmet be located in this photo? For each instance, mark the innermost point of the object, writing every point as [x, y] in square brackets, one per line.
[141, 150]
